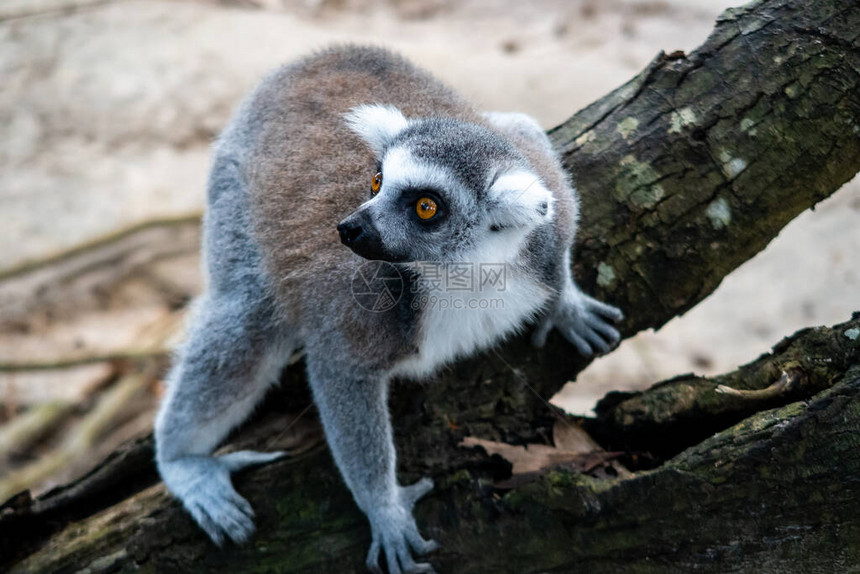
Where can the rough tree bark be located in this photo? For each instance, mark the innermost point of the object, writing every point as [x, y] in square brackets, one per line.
[686, 171]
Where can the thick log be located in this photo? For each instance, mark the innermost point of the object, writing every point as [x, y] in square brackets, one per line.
[775, 493]
[685, 172]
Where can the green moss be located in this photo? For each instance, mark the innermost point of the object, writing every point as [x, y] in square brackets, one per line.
[461, 476]
[683, 118]
[637, 184]
[605, 274]
[627, 127]
[719, 213]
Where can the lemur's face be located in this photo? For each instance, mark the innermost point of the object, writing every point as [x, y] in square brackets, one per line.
[444, 190]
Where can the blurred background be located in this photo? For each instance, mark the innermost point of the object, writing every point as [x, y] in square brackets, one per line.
[107, 111]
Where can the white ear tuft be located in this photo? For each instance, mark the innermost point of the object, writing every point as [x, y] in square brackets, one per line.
[520, 199]
[377, 124]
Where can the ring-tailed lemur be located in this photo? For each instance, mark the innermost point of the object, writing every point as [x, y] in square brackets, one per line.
[358, 142]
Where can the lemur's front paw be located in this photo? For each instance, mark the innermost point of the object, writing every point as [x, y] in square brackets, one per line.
[584, 321]
[394, 532]
[203, 485]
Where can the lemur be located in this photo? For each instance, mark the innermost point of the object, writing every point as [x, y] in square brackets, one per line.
[349, 155]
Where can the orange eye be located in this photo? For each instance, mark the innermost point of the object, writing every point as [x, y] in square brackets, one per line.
[425, 208]
[376, 183]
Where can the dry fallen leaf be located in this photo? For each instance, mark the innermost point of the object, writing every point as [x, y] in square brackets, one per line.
[571, 437]
[525, 460]
[574, 448]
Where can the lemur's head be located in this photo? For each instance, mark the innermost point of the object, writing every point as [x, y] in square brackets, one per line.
[443, 190]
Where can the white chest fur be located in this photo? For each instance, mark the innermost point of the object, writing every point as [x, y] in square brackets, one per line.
[459, 318]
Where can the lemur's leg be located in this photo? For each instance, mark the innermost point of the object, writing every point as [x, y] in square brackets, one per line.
[233, 354]
[583, 320]
[354, 411]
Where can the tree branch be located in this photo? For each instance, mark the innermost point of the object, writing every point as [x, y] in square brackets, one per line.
[685, 172]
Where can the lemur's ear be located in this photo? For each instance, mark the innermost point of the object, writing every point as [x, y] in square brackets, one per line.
[519, 199]
[377, 124]
[518, 124]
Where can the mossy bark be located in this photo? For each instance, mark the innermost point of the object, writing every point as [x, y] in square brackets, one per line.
[776, 492]
[685, 172]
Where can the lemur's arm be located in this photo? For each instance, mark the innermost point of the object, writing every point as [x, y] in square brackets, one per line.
[583, 320]
[353, 407]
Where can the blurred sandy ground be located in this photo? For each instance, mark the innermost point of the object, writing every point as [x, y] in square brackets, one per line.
[107, 109]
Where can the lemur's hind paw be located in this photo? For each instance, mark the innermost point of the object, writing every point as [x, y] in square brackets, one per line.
[584, 321]
[395, 533]
[221, 512]
[203, 485]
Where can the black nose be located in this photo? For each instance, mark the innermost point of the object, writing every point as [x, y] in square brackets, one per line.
[349, 231]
